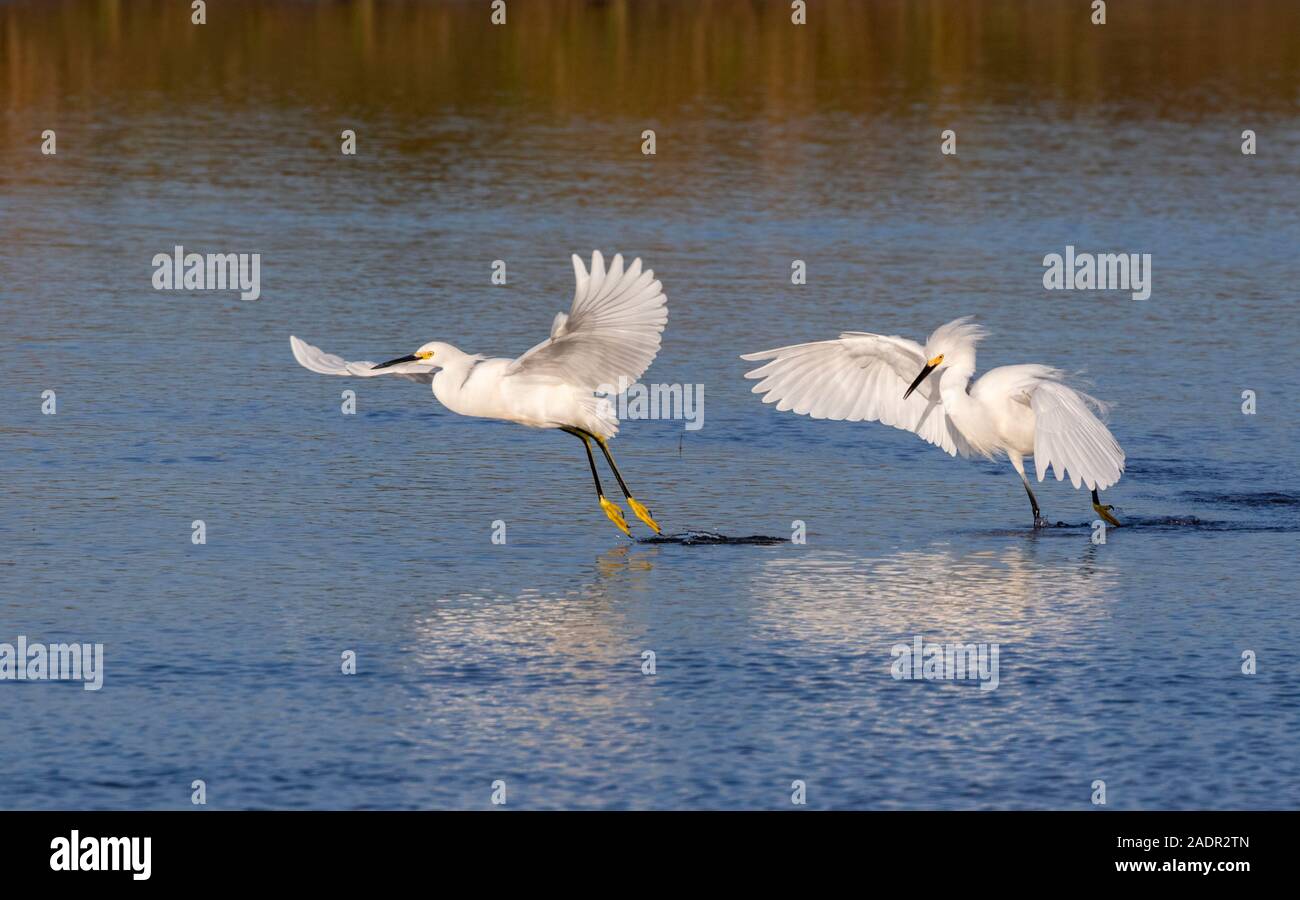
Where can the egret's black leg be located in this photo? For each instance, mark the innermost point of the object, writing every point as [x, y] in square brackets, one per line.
[637, 507]
[611, 510]
[1039, 521]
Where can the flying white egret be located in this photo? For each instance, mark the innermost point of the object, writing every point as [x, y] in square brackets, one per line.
[611, 331]
[1020, 411]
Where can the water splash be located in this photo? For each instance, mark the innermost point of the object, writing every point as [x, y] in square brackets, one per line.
[693, 538]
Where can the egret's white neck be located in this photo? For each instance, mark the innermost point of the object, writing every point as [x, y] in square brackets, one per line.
[455, 366]
[952, 387]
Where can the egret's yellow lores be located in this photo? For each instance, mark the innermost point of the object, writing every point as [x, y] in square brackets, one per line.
[611, 332]
[1018, 411]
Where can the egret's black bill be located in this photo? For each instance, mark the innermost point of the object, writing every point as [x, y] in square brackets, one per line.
[393, 362]
[919, 378]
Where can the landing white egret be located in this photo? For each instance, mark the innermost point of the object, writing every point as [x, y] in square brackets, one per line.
[1019, 411]
[611, 332]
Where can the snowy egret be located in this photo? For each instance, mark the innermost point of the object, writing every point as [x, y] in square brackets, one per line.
[611, 332]
[1019, 411]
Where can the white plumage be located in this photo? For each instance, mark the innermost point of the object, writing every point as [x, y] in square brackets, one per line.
[612, 331]
[605, 342]
[1019, 411]
[857, 378]
[318, 360]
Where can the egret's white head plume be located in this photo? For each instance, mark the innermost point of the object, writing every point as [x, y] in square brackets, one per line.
[950, 347]
[955, 342]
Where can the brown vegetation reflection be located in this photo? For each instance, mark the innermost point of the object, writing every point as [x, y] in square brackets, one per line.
[651, 59]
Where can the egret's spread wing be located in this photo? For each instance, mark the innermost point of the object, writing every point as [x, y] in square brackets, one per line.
[858, 378]
[1071, 439]
[318, 360]
[612, 330]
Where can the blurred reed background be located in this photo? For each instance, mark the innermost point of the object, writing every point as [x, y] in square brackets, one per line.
[650, 58]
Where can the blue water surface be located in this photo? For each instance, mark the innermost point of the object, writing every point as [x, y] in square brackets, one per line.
[523, 662]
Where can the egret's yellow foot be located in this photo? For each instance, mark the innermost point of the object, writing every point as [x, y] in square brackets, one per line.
[1104, 512]
[615, 515]
[643, 514]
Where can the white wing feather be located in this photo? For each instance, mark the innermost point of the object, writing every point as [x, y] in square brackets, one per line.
[1070, 439]
[612, 330]
[317, 360]
[860, 377]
